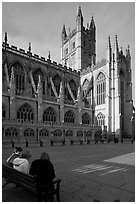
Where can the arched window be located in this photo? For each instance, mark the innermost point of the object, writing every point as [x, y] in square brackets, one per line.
[44, 133]
[3, 112]
[84, 87]
[57, 133]
[73, 89]
[19, 75]
[25, 114]
[29, 132]
[79, 133]
[11, 132]
[36, 79]
[86, 118]
[69, 117]
[49, 115]
[100, 119]
[89, 133]
[101, 88]
[56, 81]
[69, 133]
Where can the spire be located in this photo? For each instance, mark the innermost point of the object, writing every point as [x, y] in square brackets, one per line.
[5, 39]
[116, 43]
[29, 49]
[79, 16]
[64, 34]
[92, 24]
[49, 55]
[109, 50]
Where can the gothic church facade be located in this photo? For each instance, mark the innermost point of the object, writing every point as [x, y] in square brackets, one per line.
[75, 99]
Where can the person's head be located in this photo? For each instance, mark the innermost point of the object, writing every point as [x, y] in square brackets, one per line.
[45, 155]
[26, 155]
[18, 150]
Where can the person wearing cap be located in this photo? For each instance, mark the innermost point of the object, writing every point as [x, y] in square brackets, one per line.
[22, 163]
[16, 153]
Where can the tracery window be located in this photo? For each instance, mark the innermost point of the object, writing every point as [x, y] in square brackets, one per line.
[69, 117]
[56, 81]
[29, 132]
[36, 79]
[57, 133]
[44, 133]
[85, 118]
[84, 87]
[73, 89]
[100, 119]
[49, 115]
[25, 114]
[69, 133]
[101, 89]
[19, 76]
[79, 133]
[3, 112]
[11, 132]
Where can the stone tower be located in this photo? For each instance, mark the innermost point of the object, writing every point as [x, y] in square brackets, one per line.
[78, 46]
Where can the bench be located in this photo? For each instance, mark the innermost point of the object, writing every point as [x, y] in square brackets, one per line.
[52, 142]
[72, 141]
[28, 182]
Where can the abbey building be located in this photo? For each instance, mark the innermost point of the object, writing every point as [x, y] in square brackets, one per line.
[42, 99]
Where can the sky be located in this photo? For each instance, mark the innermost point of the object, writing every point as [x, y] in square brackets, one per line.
[40, 23]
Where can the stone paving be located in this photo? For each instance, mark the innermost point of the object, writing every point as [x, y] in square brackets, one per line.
[104, 172]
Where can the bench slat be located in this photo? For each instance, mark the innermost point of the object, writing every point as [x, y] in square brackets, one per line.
[27, 181]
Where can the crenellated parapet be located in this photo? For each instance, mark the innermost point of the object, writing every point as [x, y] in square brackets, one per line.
[27, 54]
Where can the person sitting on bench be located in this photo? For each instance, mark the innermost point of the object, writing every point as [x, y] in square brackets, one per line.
[16, 153]
[43, 169]
[22, 163]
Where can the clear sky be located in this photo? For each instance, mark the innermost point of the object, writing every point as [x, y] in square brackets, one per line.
[41, 24]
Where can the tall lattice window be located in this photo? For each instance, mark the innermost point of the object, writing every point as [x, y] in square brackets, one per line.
[56, 81]
[11, 132]
[44, 133]
[19, 75]
[101, 119]
[3, 112]
[49, 115]
[101, 89]
[85, 118]
[79, 133]
[36, 79]
[69, 133]
[29, 132]
[69, 117]
[73, 89]
[25, 114]
[57, 133]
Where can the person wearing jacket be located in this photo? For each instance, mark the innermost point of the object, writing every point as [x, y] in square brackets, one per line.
[43, 169]
[22, 163]
[16, 153]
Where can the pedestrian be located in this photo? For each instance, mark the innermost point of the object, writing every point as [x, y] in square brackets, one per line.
[27, 143]
[43, 169]
[41, 143]
[12, 143]
[16, 153]
[22, 163]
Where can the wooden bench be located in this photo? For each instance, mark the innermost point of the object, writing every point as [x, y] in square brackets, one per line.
[29, 182]
[52, 142]
[72, 141]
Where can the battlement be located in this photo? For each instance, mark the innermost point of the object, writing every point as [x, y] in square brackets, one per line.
[99, 64]
[21, 51]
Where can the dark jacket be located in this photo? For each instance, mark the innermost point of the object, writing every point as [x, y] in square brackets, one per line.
[44, 171]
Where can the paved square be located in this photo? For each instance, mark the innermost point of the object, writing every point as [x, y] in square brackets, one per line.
[87, 172]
